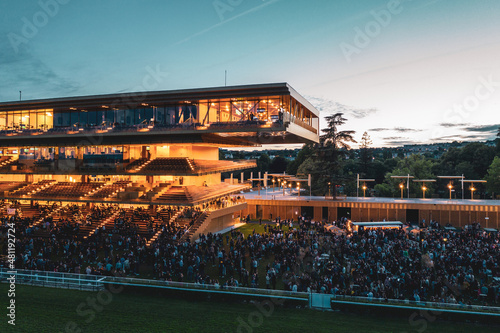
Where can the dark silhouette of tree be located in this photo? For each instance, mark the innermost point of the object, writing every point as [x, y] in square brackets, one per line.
[497, 140]
[329, 155]
[278, 164]
[365, 155]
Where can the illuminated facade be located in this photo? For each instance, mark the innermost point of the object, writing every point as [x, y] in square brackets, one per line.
[157, 148]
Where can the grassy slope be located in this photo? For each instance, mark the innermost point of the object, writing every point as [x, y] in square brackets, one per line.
[48, 310]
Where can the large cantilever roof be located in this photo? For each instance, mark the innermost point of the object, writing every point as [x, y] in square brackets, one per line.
[160, 97]
[240, 133]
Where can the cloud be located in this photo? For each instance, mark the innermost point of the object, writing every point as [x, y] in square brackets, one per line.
[395, 129]
[327, 106]
[25, 71]
[483, 128]
[396, 143]
[462, 137]
[449, 125]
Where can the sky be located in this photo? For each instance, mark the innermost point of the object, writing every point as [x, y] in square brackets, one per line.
[406, 72]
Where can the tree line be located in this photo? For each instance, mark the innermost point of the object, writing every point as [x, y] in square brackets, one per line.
[334, 166]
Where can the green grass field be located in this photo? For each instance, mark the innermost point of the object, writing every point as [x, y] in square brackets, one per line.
[53, 310]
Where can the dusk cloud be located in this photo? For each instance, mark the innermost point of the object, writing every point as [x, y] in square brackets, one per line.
[327, 106]
[395, 129]
[451, 125]
[483, 128]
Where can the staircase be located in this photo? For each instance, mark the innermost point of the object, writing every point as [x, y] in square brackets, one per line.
[158, 233]
[6, 160]
[103, 223]
[195, 227]
[140, 167]
[175, 194]
[48, 215]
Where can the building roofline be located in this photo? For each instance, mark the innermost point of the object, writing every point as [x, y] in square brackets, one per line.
[144, 96]
[302, 100]
[131, 99]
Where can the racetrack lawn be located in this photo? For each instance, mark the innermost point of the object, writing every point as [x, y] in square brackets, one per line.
[50, 310]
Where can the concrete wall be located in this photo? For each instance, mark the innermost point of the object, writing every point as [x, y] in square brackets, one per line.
[221, 219]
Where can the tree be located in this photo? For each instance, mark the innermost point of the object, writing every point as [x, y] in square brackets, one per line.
[263, 163]
[472, 161]
[333, 136]
[325, 164]
[493, 177]
[306, 152]
[415, 165]
[497, 141]
[365, 155]
[278, 165]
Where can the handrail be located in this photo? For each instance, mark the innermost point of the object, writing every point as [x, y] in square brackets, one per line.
[84, 279]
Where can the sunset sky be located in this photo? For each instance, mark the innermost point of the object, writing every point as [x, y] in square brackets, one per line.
[417, 71]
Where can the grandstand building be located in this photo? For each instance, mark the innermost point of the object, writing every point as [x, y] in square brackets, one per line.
[148, 148]
[158, 149]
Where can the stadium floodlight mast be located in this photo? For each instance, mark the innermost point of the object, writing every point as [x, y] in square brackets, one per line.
[472, 188]
[450, 184]
[423, 181]
[364, 185]
[408, 177]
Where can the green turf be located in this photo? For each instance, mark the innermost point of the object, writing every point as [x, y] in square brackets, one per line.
[49, 310]
[247, 229]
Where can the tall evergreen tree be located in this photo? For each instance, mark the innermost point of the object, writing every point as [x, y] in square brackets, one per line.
[364, 152]
[330, 152]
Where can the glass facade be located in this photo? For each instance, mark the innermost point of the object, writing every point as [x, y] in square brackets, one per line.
[27, 119]
[204, 112]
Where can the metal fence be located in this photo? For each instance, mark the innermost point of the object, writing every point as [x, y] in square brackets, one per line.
[54, 279]
[96, 282]
[323, 301]
[319, 301]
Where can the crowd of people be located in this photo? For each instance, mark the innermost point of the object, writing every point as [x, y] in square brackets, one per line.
[433, 264]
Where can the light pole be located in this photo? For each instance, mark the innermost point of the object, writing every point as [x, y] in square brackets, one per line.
[423, 181]
[450, 187]
[472, 189]
[283, 183]
[273, 184]
[402, 187]
[364, 184]
[329, 187]
[290, 186]
[298, 189]
[408, 177]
